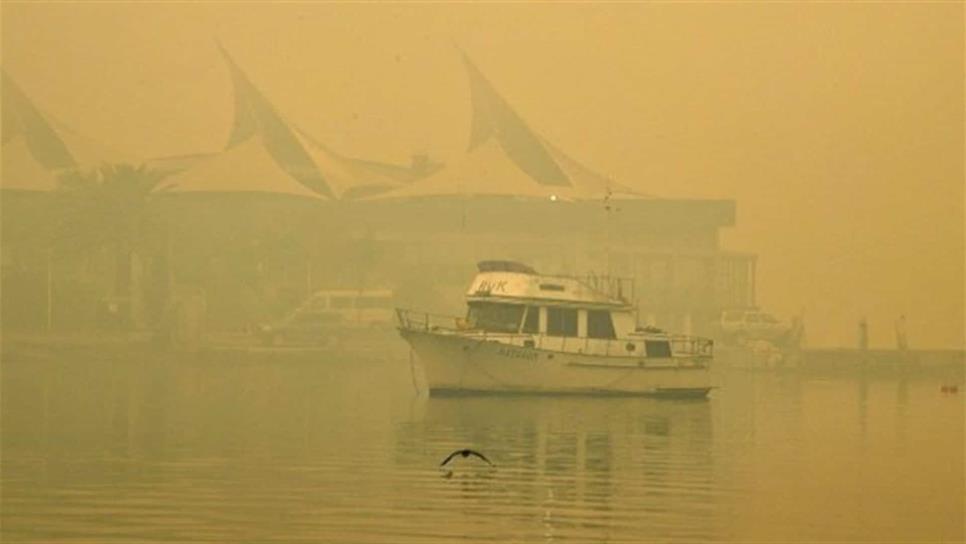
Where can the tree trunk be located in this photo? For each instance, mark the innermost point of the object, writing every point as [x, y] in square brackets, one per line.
[122, 283]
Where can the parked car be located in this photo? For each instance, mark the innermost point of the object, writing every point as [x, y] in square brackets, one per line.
[752, 324]
[327, 316]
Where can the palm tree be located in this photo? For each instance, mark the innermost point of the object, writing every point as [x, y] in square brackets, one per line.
[109, 207]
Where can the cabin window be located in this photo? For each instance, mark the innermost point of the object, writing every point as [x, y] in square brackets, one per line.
[531, 324]
[551, 287]
[562, 321]
[599, 324]
[657, 348]
[495, 316]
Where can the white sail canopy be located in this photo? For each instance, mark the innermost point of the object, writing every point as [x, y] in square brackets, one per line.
[36, 149]
[350, 177]
[485, 171]
[248, 167]
[21, 171]
[506, 158]
[314, 165]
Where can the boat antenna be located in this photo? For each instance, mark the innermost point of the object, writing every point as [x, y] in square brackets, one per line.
[609, 207]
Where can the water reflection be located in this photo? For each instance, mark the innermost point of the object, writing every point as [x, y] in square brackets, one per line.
[581, 467]
[162, 449]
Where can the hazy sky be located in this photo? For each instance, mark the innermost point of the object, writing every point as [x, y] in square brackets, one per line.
[838, 128]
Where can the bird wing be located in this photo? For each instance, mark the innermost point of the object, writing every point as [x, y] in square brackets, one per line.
[481, 456]
[452, 455]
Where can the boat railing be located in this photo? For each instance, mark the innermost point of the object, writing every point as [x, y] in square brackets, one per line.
[425, 321]
[679, 345]
[616, 287]
[429, 322]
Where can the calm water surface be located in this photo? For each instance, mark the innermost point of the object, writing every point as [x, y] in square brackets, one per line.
[148, 450]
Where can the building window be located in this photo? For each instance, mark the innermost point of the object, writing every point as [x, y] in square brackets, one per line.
[562, 321]
[531, 324]
[599, 324]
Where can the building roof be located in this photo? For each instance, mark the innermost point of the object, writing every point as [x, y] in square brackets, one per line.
[22, 171]
[22, 120]
[483, 172]
[247, 167]
[312, 163]
[506, 158]
[351, 177]
[172, 164]
[36, 148]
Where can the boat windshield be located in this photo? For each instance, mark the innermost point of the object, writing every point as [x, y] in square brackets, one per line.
[495, 316]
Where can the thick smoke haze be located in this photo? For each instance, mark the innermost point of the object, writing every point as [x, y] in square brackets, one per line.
[482, 271]
[837, 128]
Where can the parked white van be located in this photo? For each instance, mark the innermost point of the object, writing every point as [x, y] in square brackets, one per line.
[328, 314]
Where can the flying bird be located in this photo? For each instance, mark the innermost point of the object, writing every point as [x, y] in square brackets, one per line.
[465, 453]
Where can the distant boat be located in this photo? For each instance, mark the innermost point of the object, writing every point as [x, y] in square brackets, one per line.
[532, 333]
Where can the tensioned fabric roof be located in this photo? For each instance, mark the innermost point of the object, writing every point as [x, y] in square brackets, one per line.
[312, 164]
[246, 167]
[506, 158]
[21, 119]
[21, 171]
[256, 116]
[485, 171]
[351, 177]
[37, 149]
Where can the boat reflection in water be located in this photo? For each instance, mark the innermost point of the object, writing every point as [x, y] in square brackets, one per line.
[574, 467]
[154, 448]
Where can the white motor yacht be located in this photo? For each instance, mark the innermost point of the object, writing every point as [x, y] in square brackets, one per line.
[526, 332]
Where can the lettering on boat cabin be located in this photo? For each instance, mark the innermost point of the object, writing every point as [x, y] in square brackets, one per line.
[490, 286]
[514, 353]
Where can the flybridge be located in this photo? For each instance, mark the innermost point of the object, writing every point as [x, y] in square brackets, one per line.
[513, 280]
[504, 266]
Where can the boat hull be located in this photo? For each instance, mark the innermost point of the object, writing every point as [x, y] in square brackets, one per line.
[455, 364]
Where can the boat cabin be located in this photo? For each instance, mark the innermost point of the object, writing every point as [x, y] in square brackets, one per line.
[511, 298]
[512, 304]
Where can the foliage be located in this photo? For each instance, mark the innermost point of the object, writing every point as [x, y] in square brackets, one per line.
[106, 206]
